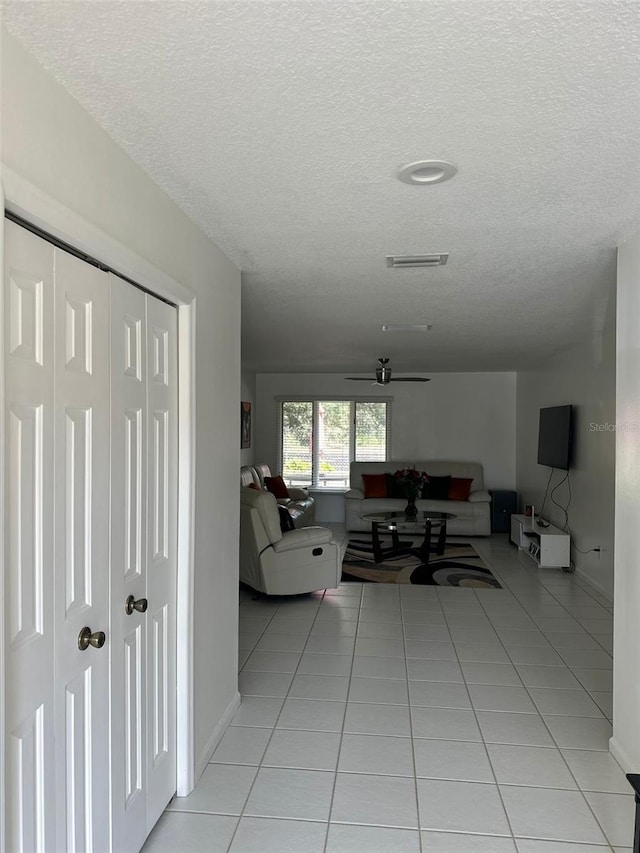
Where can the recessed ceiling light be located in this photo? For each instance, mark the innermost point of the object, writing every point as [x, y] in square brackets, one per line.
[408, 262]
[425, 172]
[399, 327]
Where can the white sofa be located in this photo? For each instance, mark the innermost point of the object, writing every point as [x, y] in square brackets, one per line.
[472, 517]
[278, 563]
[300, 505]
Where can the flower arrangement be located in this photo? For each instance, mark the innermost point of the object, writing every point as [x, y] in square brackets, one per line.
[413, 482]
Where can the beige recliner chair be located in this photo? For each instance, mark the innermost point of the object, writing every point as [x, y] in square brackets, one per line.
[278, 563]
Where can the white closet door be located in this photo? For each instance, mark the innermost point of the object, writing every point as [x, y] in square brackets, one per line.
[161, 554]
[81, 500]
[57, 561]
[91, 521]
[29, 561]
[128, 563]
[143, 559]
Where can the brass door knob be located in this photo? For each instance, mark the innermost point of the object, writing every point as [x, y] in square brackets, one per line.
[86, 638]
[131, 604]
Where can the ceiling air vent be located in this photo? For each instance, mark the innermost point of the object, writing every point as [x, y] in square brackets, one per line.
[410, 262]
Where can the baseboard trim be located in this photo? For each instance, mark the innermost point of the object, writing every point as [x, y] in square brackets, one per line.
[621, 756]
[216, 736]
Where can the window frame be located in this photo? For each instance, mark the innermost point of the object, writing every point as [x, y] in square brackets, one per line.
[314, 399]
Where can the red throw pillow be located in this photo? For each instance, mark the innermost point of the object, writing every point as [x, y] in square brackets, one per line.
[254, 486]
[459, 488]
[375, 485]
[276, 486]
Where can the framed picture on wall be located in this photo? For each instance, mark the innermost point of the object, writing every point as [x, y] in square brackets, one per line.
[245, 425]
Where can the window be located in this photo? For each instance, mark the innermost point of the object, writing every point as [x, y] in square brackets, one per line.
[319, 438]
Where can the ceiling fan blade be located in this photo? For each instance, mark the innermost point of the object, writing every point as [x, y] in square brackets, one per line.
[383, 376]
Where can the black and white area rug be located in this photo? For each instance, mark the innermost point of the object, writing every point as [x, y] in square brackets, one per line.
[460, 565]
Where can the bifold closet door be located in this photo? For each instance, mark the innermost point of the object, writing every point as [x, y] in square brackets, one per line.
[29, 559]
[143, 559]
[57, 511]
[162, 553]
[90, 560]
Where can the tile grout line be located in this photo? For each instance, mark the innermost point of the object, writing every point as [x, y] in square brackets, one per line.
[477, 721]
[411, 732]
[344, 716]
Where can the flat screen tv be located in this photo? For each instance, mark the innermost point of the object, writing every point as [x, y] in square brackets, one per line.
[554, 437]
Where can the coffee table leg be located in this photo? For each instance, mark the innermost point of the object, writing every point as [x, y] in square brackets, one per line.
[425, 549]
[442, 538]
[378, 556]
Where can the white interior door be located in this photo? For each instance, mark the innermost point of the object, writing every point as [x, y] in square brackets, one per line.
[128, 562]
[91, 414]
[58, 548]
[29, 562]
[162, 528]
[143, 568]
[81, 508]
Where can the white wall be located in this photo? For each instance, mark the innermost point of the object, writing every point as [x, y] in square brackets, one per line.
[625, 743]
[458, 416]
[585, 378]
[248, 394]
[50, 141]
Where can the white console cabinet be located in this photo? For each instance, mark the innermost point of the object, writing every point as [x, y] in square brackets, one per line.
[548, 547]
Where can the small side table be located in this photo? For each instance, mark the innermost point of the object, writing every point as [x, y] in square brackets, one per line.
[504, 503]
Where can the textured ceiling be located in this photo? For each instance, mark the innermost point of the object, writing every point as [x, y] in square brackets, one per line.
[279, 126]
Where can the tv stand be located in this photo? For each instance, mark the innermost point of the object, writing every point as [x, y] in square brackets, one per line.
[548, 547]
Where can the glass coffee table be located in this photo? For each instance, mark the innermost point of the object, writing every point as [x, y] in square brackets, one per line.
[425, 523]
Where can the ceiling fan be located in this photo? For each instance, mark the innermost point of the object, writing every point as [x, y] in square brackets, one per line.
[383, 375]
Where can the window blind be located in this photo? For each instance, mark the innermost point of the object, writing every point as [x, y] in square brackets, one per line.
[319, 438]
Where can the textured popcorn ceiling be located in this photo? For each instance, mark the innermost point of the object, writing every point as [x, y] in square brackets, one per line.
[278, 127]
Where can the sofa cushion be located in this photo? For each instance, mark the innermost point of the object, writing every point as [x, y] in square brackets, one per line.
[254, 486]
[459, 488]
[277, 486]
[395, 489]
[437, 488]
[375, 485]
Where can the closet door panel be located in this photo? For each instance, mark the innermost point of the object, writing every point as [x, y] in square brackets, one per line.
[29, 314]
[128, 563]
[162, 551]
[82, 551]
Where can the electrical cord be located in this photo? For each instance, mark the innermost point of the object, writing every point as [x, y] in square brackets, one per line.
[565, 526]
[544, 500]
[565, 510]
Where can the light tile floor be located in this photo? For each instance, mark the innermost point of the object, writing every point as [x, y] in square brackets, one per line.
[390, 718]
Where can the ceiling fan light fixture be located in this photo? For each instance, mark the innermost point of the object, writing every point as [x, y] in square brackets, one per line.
[383, 375]
[426, 172]
[410, 262]
[399, 327]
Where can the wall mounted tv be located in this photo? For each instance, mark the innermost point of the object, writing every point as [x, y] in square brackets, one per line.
[554, 437]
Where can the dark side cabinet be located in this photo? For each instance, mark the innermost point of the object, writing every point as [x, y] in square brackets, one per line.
[503, 504]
